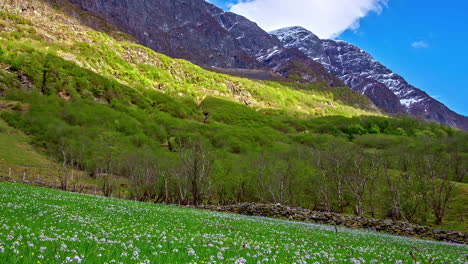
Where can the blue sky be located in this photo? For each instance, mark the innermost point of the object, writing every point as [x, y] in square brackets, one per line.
[425, 41]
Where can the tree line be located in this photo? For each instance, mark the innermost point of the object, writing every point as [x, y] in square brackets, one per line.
[412, 181]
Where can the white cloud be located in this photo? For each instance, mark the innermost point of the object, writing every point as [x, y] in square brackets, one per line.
[326, 18]
[420, 44]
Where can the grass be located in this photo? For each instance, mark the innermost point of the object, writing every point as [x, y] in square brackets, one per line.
[15, 150]
[18, 157]
[456, 212]
[40, 225]
[19, 161]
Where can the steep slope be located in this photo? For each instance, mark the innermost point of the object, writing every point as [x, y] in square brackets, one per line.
[364, 74]
[200, 32]
[43, 29]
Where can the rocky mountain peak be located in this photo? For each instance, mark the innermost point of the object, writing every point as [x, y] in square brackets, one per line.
[296, 32]
[360, 71]
[299, 37]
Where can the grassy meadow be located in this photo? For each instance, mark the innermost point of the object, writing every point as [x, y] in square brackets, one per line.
[39, 225]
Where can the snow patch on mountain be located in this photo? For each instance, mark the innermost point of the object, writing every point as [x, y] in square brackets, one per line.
[270, 53]
[409, 102]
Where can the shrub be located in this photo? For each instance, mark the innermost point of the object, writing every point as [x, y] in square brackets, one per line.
[356, 129]
[378, 141]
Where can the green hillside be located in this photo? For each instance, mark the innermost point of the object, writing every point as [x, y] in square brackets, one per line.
[55, 39]
[117, 119]
[16, 150]
[20, 161]
[47, 226]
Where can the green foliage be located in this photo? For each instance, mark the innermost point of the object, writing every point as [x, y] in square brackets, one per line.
[341, 94]
[15, 18]
[400, 132]
[356, 129]
[403, 126]
[317, 140]
[235, 114]
[378, 141]
[80, 125]
[56, 6]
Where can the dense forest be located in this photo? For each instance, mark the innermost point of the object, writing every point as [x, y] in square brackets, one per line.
[180, 134]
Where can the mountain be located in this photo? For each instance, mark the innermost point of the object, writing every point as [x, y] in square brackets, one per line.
[360, 71]
[204, 34]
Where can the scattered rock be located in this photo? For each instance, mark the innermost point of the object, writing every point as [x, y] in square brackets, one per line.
[380, 225]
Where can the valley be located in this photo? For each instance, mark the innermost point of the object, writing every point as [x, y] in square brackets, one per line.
[85, 108]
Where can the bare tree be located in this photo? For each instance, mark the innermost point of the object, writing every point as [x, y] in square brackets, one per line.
[278, 177]
[333, 163]
[320, 162]
[335, 170]
[195, 167]
[107, 183]
[407, 187]
[362, 168]
[261, 169]
[441, 181]
[395, 210]
[64, 171]
[141, 167]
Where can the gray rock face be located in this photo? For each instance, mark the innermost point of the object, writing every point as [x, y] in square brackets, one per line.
[360, 71]
[200, 32]
[175, 28]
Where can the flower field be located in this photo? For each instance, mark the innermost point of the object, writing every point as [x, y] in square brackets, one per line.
[47, 226]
